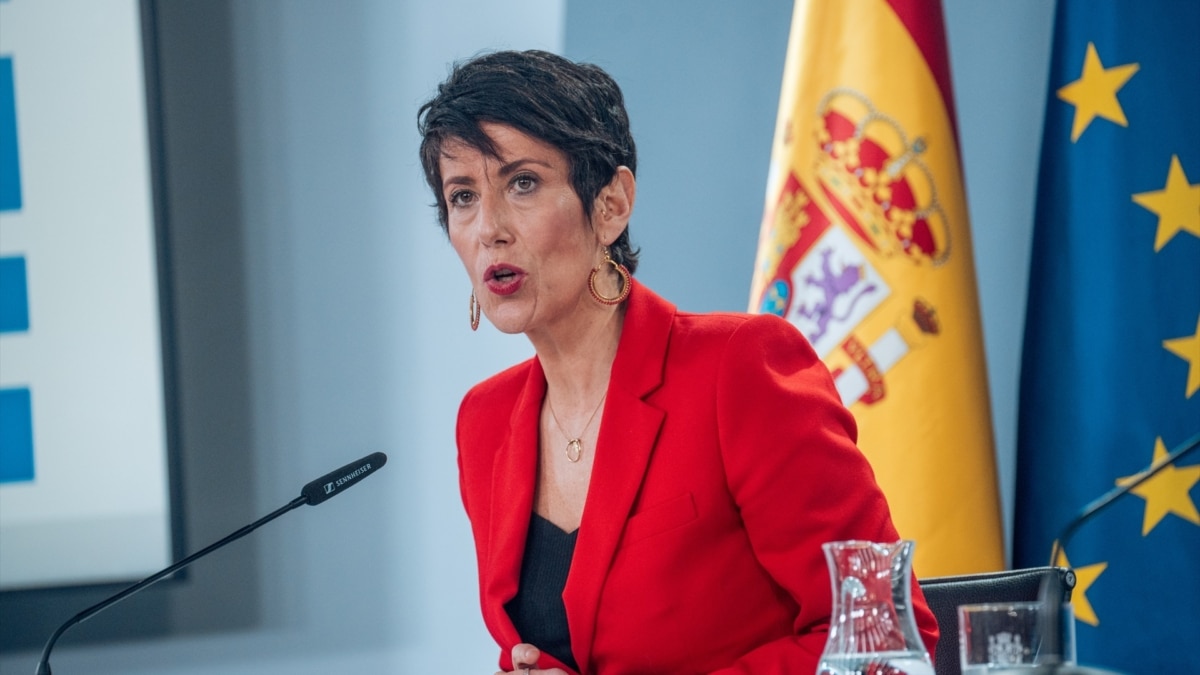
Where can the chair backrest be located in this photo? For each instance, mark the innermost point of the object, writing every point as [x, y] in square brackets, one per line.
[945, 594]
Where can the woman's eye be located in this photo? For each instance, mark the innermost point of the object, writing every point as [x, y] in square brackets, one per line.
[524, 183]
[460, 198]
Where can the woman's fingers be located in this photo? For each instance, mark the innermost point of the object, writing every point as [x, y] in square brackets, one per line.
[525, 655]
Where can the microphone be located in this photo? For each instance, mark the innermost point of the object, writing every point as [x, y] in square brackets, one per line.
[315, 492]
[1051, 591]
[339, 480]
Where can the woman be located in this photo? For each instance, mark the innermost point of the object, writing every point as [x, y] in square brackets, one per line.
[650, 492]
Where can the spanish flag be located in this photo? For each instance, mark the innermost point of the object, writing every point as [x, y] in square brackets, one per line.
[865, 246]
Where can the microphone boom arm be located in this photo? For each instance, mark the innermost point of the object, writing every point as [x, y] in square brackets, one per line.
[1104, 500]
[313, 493]
[44, 663]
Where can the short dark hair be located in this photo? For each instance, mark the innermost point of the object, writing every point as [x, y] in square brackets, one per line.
[575, 107]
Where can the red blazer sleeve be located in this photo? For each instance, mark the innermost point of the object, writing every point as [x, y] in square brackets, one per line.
[786, 439]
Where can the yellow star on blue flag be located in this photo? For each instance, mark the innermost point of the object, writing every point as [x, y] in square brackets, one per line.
[1094, 94]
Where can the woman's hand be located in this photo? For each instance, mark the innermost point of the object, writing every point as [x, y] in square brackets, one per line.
[525, 657]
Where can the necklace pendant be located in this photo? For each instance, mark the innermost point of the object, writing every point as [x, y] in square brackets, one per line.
[574, 450]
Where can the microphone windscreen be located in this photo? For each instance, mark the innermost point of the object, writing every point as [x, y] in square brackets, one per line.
[341, 479]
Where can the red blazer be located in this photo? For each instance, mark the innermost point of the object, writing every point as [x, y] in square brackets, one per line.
[725, 459]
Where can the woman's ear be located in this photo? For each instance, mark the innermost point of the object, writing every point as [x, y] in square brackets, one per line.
[614, 205]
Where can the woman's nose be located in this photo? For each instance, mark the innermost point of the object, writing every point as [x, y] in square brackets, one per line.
[494, 221]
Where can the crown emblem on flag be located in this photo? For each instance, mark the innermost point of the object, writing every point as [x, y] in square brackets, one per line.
[876, 180]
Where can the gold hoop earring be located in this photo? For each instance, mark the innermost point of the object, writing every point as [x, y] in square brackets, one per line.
[625, 282]
[474, 307]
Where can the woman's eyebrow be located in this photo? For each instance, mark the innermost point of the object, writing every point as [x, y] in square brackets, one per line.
[457, 180]
[516, 164]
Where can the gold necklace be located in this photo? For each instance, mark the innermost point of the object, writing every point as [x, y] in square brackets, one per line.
[574, 449]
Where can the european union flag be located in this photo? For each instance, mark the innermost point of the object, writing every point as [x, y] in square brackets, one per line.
[1111, 364]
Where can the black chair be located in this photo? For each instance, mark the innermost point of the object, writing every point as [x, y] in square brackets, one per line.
[945, 594]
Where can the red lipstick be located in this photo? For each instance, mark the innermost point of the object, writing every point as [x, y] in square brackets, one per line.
[503, 279]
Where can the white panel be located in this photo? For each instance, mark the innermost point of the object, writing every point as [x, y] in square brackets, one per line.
[91, 358]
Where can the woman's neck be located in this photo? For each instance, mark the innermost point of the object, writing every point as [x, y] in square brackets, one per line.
[577, 361]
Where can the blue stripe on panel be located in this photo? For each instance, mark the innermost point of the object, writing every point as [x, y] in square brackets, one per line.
[14, 295]
[10, 164]
[16, 435]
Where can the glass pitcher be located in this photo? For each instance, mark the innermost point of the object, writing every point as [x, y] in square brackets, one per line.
[872, 630]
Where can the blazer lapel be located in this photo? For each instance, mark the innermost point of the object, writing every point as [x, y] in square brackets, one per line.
[513, 477]
[627, 436]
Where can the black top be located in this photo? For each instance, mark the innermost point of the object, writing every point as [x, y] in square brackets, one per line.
[537, 610]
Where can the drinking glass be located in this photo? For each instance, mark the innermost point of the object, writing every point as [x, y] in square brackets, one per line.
[1012, 636]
